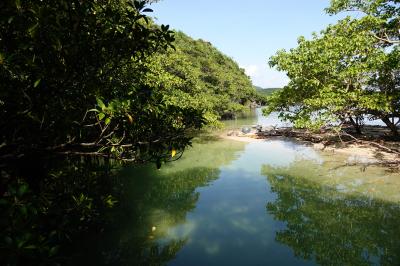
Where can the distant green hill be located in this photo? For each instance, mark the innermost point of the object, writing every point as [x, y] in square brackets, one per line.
[266, 91]
[263, 93]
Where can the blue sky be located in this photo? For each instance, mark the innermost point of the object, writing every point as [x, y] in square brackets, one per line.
[247, 31]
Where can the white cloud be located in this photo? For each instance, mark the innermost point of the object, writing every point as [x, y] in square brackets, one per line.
[263, 76]
[251, 70]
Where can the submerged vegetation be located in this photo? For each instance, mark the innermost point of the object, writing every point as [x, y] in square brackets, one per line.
[347, 73]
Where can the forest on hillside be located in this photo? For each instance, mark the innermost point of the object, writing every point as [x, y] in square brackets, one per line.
[199, 76]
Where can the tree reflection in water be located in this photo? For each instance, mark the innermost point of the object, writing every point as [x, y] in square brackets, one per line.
[152, 203]
[333, 228]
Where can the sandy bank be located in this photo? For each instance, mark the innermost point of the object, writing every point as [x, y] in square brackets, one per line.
[356, 152]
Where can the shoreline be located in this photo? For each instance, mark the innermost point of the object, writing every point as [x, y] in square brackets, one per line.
[370, 151]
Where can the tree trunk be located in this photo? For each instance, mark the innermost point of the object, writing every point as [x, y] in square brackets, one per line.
[390, 125]
[356, 126]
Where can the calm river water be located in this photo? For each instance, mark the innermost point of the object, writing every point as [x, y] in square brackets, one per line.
[273, 202]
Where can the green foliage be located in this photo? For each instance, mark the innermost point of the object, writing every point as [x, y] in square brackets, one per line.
[381, 16]
[342, 74]
[59, 60]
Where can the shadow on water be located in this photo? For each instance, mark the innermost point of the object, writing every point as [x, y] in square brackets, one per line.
[153, 202]
[330, 227]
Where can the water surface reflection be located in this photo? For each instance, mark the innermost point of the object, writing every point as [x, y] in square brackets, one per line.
[262, 203]
[333, 228]
[150, 226]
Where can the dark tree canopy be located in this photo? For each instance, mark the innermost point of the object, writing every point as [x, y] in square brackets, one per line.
[72, 78]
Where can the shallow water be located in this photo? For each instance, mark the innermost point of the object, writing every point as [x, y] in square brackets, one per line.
[263, 203]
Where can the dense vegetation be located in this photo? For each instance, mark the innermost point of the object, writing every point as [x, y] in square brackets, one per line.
[347, 73]
[86, 84]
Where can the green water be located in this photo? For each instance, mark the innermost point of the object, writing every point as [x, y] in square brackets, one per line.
[271, 202]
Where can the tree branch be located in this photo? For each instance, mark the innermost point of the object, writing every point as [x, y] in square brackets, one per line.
[372, 143]
[387, 39]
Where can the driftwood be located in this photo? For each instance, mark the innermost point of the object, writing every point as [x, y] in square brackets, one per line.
[328, 138]
[291, 133]
[374, 144]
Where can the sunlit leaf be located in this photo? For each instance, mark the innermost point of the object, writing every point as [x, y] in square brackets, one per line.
[101, 116]
[37, 82]
[130, 118]
[100, 103]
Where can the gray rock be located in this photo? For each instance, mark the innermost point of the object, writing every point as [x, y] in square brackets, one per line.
[246, 130]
